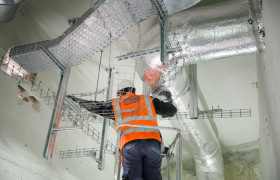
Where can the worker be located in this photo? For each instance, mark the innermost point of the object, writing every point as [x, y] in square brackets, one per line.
[140, 147]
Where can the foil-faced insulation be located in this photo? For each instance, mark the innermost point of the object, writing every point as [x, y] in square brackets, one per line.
[197, 133]
[214, 32]
[203, 34]
[173, 7]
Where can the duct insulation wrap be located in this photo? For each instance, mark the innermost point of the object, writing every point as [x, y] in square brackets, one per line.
[197, 133]
[203, 34]
[173, 6]
[214, 32]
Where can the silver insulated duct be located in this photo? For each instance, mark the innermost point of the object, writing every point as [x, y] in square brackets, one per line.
[215, 32]
[201, 34]
[8, 9]
[197, 133]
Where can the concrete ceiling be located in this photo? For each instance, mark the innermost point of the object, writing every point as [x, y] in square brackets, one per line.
[229, 83]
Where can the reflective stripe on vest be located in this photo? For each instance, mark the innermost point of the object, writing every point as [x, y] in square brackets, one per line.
[137, 118]
[118, 111]
[127, 131]
[136, 110]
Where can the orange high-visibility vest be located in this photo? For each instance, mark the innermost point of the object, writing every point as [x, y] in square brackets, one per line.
[135, 109]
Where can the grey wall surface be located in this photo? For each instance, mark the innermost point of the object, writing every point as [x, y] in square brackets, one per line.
[269, 88]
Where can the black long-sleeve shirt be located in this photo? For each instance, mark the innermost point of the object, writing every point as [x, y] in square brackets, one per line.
[105, 109]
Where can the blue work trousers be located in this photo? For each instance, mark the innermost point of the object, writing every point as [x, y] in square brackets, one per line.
[141, 160]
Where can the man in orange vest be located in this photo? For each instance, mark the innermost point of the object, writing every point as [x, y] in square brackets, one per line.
[140, 147]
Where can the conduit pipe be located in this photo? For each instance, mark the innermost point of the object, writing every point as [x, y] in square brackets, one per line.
[204, 34]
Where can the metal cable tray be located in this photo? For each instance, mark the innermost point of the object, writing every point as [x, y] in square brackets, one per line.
[95, 30]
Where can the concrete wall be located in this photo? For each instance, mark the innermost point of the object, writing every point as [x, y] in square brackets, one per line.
[23, 133]
[269, 88]
[229, 83]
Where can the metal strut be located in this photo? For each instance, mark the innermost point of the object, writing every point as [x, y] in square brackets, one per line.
[105, 124]
[58, 106]
[162, 21]
[193, 91]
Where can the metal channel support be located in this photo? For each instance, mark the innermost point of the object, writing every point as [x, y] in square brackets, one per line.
[56, 114]
[105, 123]
[58, 106]
[147, 52]
[255, 24]
[162, 21]
[117, 169]
[67, 129]
[168, 166]
[73, 106]
[53, 58]
[179, 164]
[193, 91]
[163, 53]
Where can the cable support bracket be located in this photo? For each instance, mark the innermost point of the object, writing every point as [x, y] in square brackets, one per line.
[53, 58]
[138, 54]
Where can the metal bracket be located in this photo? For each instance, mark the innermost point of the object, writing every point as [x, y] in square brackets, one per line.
[193, 91]
[105, 123]
[56, 114]
[146, 52]
[161, 13]
[255, 25]
[72, 21]
[67, 128]
[162, 20]
[53, 58]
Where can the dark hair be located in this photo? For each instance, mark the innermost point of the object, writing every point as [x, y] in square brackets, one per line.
[126, 90]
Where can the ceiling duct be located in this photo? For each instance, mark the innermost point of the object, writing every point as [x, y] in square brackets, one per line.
[215, 32]
[197, 133]
[8, 9]
[202, 34]
[173, 6]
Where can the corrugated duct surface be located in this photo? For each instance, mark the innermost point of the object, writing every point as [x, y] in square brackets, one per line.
[214, 32]
[203, 34]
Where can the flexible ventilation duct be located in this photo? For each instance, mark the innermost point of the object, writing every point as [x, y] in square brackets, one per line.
[215, 32]
[173, 6]
[197, 133]
[8, 9]
[203, 34]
